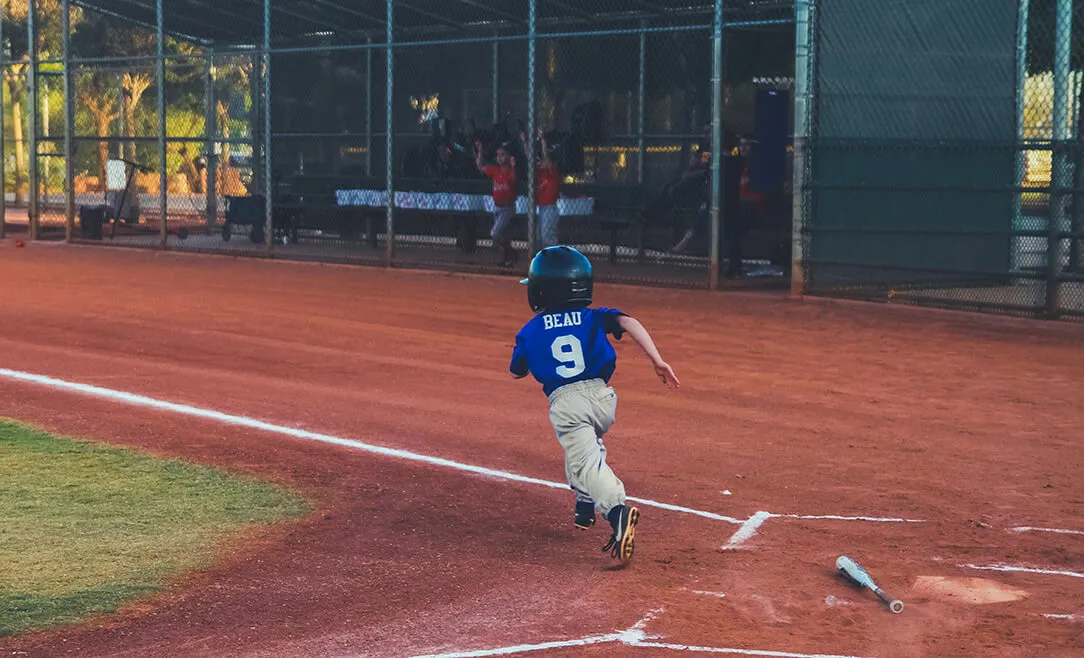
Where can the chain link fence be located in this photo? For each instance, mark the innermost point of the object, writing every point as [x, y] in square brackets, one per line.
[947, 175]
[192, 143]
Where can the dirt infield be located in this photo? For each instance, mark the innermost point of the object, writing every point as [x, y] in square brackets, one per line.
[969, 426]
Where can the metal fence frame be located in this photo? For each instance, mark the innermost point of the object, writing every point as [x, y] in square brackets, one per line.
[1052, 280]
[805, 98]
[262, 141]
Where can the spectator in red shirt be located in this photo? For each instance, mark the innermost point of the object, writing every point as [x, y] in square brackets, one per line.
[547, 181]
[503, 175]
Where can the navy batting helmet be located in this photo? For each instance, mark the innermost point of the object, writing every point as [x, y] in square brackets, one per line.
[559, 276]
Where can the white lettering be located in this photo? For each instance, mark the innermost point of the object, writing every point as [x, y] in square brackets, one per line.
[557, 320]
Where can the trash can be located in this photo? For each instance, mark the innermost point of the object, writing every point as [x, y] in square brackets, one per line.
[91, 219]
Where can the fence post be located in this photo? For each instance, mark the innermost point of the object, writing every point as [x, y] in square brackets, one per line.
[716, 138]
[532, 215]
[210, 133]
[160, 75]
[1060, 173]
[69, 122]
[495, 85]
[1021, 104]
[369, 107]
[803, 125]
[389, 159]
[268, 184]
[33, 210]
[641, 94]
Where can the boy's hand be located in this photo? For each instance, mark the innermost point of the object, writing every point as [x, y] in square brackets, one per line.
[666, 374]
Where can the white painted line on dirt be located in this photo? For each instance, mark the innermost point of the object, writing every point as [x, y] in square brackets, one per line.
[831, 517]
[633, 637]
[1069, 617]
[747, 530]
[244, 421]
[743, 652]
[1059, 531]
[686, 510]
[718, 595]
[525, 648]
[1008, 567]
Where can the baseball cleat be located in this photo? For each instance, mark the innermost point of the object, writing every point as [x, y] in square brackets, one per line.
[622, 542]
[584, 517]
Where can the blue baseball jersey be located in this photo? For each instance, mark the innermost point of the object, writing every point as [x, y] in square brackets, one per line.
[567, 345]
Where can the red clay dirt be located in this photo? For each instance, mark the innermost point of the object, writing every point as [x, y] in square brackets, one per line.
[969, 423]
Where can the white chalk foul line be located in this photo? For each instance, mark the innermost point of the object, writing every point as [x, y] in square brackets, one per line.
[744, 652]
[1009, 567]
[526, 648]
[1058, 531]
[752, 524]
[747, 530]
[252, 423]
[633, 637]
[832, 517]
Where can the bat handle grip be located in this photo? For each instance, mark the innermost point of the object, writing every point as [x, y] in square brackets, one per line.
[895, 605]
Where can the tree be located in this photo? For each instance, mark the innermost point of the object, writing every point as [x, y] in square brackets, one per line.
[103, 36]
[95, 97]
[133, 86]
[16, 45]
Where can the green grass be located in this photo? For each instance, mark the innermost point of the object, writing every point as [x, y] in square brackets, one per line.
[85, 527]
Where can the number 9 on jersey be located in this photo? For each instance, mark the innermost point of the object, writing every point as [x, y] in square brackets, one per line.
[569, 352]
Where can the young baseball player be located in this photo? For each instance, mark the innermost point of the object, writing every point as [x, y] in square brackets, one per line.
[547, 182]
[566, 349]
[503, 175]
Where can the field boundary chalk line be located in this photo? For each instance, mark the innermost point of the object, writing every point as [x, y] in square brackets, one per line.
[631, 637]
[1016, 569]
[746, 531]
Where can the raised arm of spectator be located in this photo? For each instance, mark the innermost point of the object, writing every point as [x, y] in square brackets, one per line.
[478, 156]
[545, 148]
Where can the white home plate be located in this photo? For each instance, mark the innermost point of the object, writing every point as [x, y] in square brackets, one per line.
[974, 591]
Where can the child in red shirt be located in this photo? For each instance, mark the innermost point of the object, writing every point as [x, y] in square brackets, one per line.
[547, 181]
[503, 175]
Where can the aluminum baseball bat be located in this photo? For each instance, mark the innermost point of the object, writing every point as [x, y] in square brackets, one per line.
[854, 572]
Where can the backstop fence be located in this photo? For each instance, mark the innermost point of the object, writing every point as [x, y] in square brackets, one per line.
[921, 152]
[941, 153]
[349, 130]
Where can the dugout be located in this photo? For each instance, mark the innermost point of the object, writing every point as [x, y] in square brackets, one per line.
[297, 102]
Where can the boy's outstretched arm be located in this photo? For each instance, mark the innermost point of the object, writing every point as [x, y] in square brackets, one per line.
[639, 334]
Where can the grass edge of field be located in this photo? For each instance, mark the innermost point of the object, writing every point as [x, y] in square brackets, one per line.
[36, 612]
